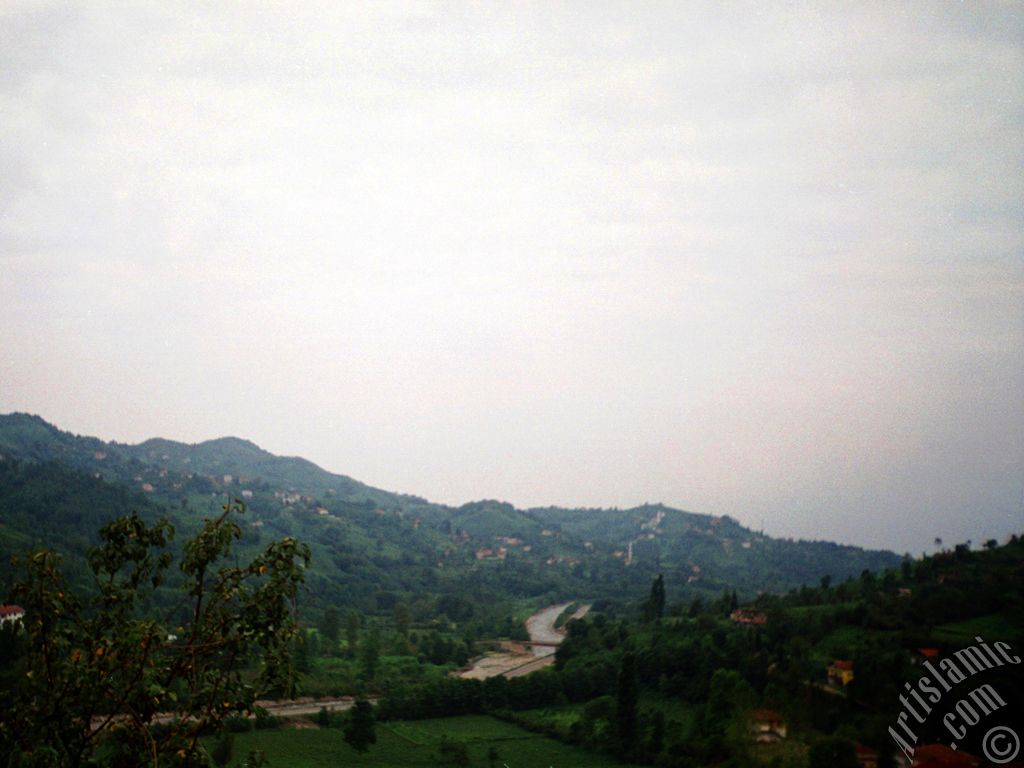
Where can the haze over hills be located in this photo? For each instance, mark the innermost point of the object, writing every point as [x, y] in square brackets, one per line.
[372, 547]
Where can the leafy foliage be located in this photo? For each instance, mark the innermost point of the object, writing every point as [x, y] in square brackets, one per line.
[97, 671]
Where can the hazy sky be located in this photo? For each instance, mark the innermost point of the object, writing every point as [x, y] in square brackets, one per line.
[763, 259]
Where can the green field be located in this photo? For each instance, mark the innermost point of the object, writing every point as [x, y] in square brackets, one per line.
[996, 626]
[408, 744]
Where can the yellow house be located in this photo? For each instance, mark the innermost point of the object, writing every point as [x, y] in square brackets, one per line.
[840, 672]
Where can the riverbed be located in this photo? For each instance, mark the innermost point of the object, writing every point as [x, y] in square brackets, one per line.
[518, 658]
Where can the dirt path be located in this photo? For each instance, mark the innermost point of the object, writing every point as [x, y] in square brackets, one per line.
[277, 708]
[309, 706]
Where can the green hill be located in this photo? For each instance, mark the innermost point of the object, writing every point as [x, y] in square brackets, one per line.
[373, 548]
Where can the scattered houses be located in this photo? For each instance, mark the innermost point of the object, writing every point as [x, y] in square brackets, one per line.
[490, 553]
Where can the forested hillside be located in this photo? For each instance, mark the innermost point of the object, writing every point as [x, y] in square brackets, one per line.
[698, 625]
[373, 549]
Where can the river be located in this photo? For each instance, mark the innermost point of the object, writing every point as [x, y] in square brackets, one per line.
[516, 660]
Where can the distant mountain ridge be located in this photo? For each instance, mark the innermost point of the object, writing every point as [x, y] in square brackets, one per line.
[29, 436]
[384, 540]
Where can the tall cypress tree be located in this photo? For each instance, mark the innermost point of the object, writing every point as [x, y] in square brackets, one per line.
[654, 608]
[658, 596]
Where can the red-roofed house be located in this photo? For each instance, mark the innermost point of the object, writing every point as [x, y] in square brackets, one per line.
[866, 756]
[11, 613]
[941, 756]
[840, 672]
[748, 616]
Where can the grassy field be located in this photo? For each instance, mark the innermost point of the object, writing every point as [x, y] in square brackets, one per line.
[996, 626]
[410, 744]
[524, 608]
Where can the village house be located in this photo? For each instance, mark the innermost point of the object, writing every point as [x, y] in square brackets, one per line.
[767, 725]
[11, 613]
[866, 756]
[748, 616]
[840, 672]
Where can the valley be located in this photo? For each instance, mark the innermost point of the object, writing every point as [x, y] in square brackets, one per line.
[373, 549]
[646, 636]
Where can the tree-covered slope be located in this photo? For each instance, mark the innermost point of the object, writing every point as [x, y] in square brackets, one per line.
[373, 548]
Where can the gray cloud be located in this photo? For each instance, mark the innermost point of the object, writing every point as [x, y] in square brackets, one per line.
[747, 260]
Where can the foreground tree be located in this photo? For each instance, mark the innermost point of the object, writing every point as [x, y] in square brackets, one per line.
[98, 670]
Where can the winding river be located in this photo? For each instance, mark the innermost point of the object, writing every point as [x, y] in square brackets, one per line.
[516, 660]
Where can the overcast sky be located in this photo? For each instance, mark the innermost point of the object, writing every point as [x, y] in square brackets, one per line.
[763, 259]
